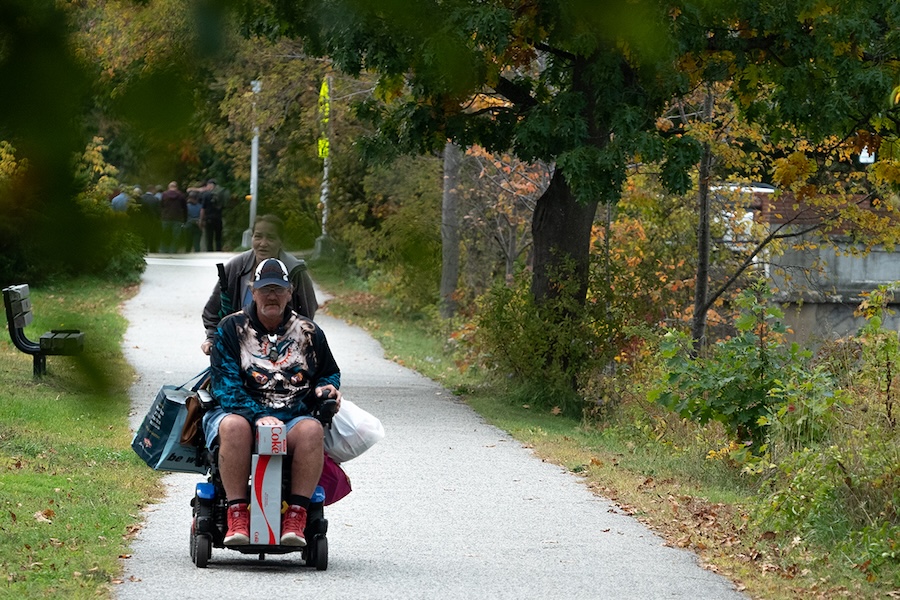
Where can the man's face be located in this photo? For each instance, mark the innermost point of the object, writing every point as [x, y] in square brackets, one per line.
[271, 301]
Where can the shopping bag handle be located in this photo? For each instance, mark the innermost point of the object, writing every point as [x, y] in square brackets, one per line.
[199, 378]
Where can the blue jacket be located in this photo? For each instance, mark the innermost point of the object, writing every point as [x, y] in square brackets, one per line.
[256, 374]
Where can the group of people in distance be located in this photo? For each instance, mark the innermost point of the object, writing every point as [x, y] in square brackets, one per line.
[270, 365]
[171, 220]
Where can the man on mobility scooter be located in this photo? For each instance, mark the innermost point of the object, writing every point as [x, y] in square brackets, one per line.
[269, 366]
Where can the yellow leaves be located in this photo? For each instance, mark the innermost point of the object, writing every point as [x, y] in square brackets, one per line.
[885, 172]
[794, 169]
[664, 124]
[10, 166]
[689, 65]
[725, 452]
[389, 87]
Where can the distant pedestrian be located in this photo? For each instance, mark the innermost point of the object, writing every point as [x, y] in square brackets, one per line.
[148, 218]
[192, 231]
[120, 201]
[212, 201]
[173, 212]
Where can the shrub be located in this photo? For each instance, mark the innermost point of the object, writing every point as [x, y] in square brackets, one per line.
[735, 382]
[803, 412]
[546, 358]
[880, 351]
[844, 497]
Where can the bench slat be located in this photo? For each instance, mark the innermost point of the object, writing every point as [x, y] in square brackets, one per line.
[23, 320]
[18, 292]
[21, 311]
[68, 343]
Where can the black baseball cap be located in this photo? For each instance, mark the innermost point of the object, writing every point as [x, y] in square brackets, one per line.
[271, 272]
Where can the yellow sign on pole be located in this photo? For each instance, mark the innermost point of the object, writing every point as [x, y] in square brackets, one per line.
[324, 115]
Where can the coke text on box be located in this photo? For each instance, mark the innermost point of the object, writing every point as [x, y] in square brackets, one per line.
[271, 439]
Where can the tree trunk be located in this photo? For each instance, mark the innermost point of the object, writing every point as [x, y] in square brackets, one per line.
[701, 289]
[561, 232]
[450, 231]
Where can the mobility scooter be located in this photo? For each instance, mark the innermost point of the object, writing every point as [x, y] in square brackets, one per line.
[209, 523]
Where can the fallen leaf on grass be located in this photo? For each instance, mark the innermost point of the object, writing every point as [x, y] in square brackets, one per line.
[131, 531]
[44, 516]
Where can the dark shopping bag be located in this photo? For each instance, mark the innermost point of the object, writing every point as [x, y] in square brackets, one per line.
[334, 481]
[158, 440]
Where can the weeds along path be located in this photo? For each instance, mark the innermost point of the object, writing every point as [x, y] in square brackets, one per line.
[445, 506]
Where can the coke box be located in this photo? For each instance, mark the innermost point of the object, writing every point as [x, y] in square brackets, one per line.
[271, 439]
[265, 503]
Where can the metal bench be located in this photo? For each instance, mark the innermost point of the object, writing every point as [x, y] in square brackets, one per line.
[57, 342]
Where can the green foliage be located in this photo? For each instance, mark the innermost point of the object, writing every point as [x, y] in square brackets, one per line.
[734, 382]
[832, 473]
[803, 410]
[394, 236]
[880, 350]
[662, 455]
[540, 356]
[87, 238]
[843, 496]
[124, 261]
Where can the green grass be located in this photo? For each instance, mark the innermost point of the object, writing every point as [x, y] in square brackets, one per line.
[71, 489]
[652, 464]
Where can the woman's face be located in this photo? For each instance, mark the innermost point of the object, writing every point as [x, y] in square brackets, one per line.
[266, 242]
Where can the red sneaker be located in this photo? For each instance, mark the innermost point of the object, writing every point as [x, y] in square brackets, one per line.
[292, 526]
[238, 525]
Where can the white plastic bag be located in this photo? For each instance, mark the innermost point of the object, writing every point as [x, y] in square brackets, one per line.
[352, 432]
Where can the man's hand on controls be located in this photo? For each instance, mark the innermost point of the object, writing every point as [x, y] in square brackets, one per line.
[206, 346]
[330, 392]
[325, 392]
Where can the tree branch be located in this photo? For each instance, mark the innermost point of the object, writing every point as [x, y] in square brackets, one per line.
[544, 47]
[775, 235]
[515, 93]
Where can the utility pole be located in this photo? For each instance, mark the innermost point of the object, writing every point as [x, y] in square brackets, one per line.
[256, 86]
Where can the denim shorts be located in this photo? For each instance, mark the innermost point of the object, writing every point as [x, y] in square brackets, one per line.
[213, 418]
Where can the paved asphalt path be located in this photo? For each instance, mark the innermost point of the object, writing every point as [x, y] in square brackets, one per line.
[445, 507]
